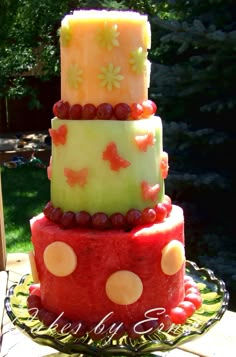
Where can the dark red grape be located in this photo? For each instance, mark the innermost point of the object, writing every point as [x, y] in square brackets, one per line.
[133, 217]
[100, 220]
[75, 111]
[67, 219]
[104, 111]
[89, 111]
[83, 219]
[117, 220]
[121, 111]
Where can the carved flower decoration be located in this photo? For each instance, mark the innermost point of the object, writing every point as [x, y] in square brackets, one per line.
[137, 60]
[65, 34]
[110, 76]
[74, 76]
[107, 36]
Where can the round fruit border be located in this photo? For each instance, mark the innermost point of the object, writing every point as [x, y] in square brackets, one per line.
[215, 301]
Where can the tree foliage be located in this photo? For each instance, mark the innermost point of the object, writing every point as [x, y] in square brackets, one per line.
[197, 60]
[29, 38]
[29, 41]
[193, 81]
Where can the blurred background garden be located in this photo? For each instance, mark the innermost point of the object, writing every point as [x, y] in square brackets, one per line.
[193, 82]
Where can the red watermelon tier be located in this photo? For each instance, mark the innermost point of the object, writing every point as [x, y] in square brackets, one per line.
[129, 276]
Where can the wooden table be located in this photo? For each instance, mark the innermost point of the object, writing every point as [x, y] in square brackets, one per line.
[220, 341]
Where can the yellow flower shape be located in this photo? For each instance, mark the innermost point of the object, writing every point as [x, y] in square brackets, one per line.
[65, 35]
[74, 76]
[137, 60]
[107, 36]
[110, 76]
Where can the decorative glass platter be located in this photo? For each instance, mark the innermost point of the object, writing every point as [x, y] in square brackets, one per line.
[215, 301]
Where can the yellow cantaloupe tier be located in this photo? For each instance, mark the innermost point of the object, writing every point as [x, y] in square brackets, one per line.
[106, 165]
[104, 57]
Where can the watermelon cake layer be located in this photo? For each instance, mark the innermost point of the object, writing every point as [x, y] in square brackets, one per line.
[106, 165]
[127, 276]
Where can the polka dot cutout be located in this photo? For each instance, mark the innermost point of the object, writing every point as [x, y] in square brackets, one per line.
[60, 259]
[173, 257]
[33, 266]
[124, 287]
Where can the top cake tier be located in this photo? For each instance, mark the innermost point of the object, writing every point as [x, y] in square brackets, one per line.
[104, 57]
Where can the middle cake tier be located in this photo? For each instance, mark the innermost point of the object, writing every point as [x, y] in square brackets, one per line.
[107, 166]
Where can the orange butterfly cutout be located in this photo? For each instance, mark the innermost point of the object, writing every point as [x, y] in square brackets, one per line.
[116, 161]
[150, 192]
[59, 135]
[76, 177]
[164, 165]
[145, 140]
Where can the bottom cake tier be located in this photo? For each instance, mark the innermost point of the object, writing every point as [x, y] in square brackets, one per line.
[110, 276]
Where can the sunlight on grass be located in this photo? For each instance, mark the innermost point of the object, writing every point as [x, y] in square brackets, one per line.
[26, 194]
[26, 190]
[18, 239]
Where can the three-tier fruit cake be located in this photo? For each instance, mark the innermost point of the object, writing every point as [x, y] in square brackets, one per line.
[109, 246]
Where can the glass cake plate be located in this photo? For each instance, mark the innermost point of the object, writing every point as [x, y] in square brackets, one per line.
[215, 301]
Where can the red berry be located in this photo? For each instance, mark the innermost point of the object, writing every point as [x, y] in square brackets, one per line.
[167, 198]
[136, 110]
[188, 307]
[56, 214]
[148, 108]
[100, 220]
[78, 329]
[34, 302]
[192, 290]
[161, 212]
[116, 330]
[187, 278]
[117, 220]
[47, 317]
[104, 111]
[133, 217]
[96, 332]
[83, 219]
[148, 215]
[89, 111]
[34, 289]
[33, 286]
[62, 324]
[131, 332]
[147, 327]
[168, 204]
[178, 315]
[75, 111]
[61, 109]
[190, 284]
[195, 299]
[154, 107]
[121, 111]
[48, 209]
[67, 219]
[164, 322]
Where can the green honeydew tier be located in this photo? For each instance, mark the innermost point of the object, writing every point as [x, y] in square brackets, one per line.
[106, 166]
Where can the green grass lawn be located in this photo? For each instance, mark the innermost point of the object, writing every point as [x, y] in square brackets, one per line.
[26, 189]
